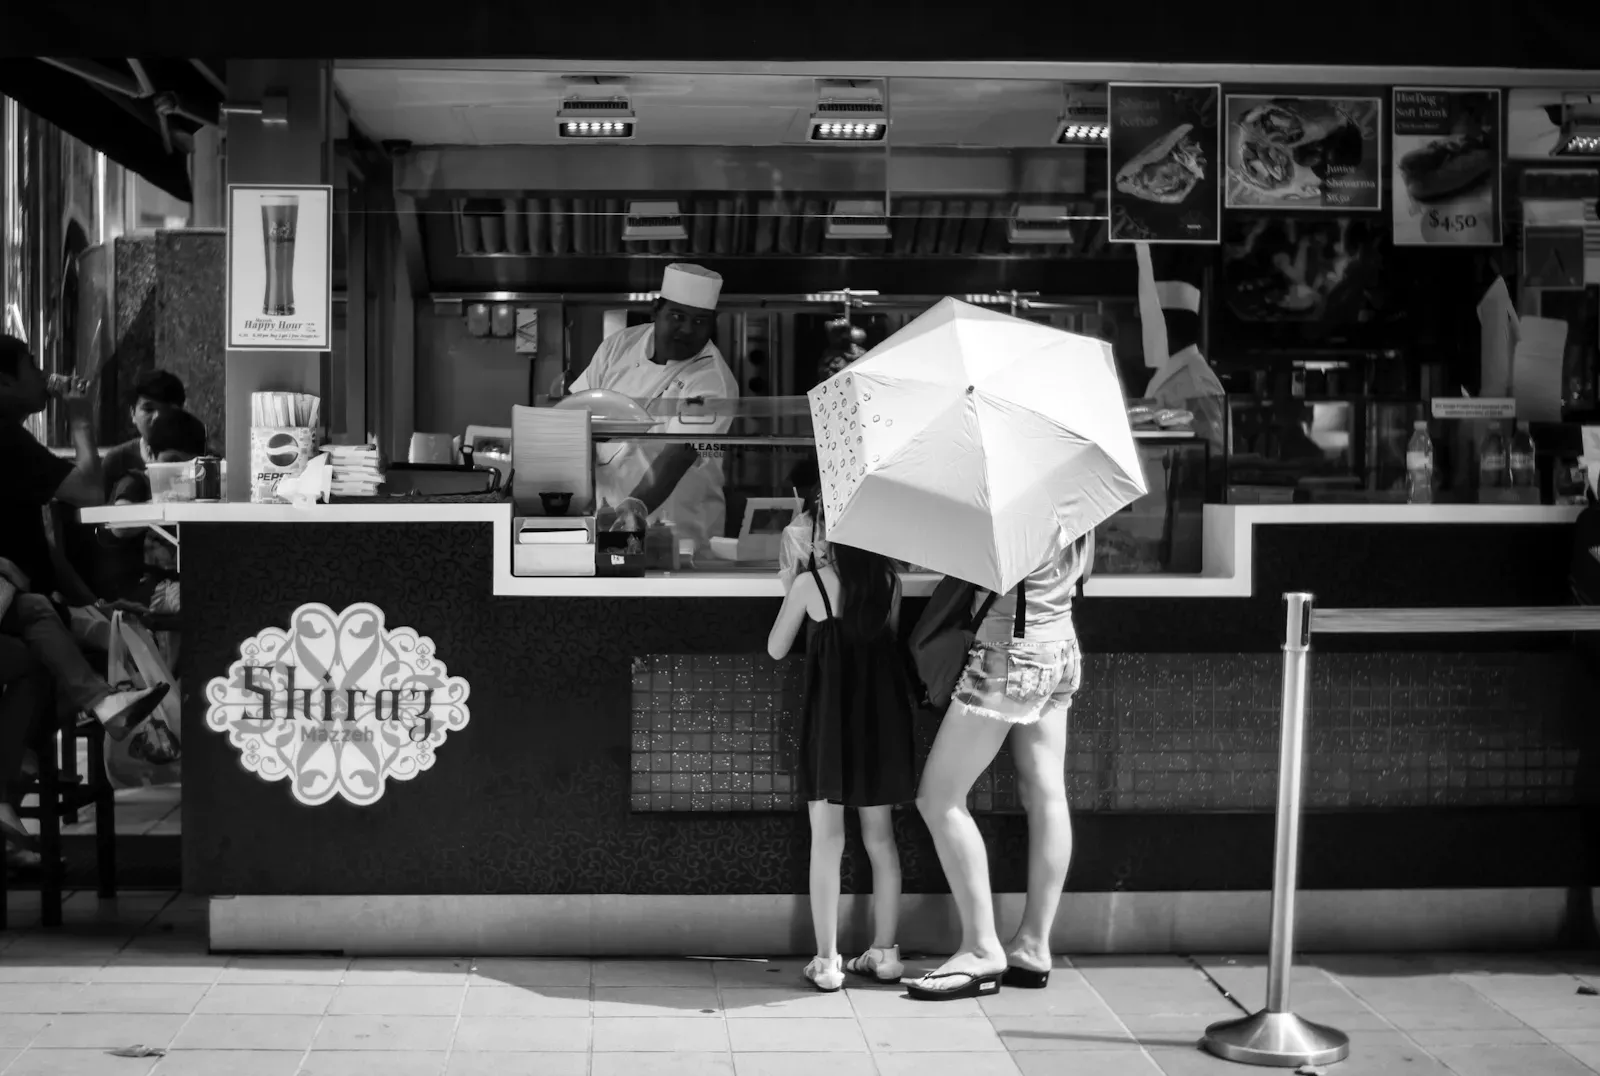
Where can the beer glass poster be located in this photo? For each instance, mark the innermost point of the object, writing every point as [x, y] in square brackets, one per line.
[1446, 167]
[280, 268]
[1164, 156]
[1304, 153]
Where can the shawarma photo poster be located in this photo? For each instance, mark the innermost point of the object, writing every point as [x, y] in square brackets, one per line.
[1165, 156]
[1447, 152]
[1304, 153]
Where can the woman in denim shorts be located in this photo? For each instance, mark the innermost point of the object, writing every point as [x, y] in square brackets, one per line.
[1021, 688]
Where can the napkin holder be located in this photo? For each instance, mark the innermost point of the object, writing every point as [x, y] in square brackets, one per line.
[552, 546]
[619, 553]
[276, 453]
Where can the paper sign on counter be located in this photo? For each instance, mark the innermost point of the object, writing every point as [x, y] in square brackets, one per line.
[1536, 371]
[1470, 408]
[1497, 316]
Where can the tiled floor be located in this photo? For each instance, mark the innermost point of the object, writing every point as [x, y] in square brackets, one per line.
[137, 973]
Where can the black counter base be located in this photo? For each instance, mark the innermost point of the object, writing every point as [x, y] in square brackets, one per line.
[535, 795]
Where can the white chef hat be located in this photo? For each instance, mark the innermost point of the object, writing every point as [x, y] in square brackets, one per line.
[691, 285]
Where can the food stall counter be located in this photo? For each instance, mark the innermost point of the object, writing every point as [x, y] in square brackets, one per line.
[1228, 544]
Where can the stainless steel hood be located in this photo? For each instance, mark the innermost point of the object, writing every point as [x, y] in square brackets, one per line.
[519, 217]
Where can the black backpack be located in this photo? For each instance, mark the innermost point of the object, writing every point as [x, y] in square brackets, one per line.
[944, 634]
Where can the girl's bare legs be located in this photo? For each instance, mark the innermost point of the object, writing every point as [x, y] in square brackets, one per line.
[877, 833]
[963, 749]
[827, 849]
[1039, 752]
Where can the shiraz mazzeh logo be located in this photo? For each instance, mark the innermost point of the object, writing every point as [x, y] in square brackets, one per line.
[338, 705]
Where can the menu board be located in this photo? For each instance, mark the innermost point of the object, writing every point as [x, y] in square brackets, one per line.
[1164, 155]
[1304, 153]
[1447, 157]
[280, 268]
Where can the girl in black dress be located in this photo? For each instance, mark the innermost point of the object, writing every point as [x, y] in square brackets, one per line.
[856, 742]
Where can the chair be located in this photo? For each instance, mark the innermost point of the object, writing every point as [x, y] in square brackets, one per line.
[61, 793]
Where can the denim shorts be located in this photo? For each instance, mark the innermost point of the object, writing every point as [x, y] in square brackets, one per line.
[1020, 682]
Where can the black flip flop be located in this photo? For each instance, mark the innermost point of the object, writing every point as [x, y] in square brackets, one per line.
[136, 714]
[976, 986]
[1025, 978]
[18, 837]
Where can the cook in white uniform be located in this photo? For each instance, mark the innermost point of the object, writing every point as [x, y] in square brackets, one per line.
[672, 357]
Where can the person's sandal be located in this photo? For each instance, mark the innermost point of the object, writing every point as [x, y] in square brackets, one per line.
[976, 986]
[133, 709]
[880, 964]
[1025, 978]
[17, 837]
[825, 973]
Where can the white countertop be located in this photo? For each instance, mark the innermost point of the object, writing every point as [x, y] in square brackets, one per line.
[1228, 550]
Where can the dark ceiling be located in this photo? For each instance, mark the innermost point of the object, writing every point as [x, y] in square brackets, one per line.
[1543, 34]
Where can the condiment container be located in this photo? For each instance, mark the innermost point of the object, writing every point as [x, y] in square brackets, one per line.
[660, 548]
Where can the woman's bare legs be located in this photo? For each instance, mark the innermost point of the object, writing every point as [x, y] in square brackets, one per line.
[963, 749]
[877, 833]
[827, 848]
[1039, 752]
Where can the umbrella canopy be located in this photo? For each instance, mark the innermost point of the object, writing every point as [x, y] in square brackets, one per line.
[974, 443]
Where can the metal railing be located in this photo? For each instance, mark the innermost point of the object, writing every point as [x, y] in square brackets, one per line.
[1275, 1036]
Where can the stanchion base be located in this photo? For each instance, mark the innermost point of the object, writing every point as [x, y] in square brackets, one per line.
[1276, 1038]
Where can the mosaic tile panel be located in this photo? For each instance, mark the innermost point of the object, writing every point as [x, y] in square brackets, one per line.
[1164, 732]
[715, 733]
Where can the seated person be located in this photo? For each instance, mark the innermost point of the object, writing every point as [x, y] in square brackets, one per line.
[32, 477]
[156, 393]
[34, 619]
[175, 437]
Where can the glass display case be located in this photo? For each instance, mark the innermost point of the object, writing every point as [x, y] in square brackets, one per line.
[1353, 450]
[745, 465]
[1160, 532]
[743, 482]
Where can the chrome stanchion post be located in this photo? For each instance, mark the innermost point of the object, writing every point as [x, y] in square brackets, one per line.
[1275, 1035]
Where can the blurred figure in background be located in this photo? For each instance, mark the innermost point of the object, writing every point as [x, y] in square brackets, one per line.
[803, 539]
[156, 394]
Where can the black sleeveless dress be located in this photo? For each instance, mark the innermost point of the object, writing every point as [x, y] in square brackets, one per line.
[857, 744]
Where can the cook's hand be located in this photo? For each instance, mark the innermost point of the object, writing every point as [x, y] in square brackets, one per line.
[632, 515]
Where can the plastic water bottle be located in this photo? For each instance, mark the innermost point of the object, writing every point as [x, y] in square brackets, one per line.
[1524, 472]
[1419, 465]
[1492, 467]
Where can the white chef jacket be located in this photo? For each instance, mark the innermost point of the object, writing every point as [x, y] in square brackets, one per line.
[623, 363]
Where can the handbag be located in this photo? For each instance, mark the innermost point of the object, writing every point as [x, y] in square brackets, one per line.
[944, 634]
[153, 754]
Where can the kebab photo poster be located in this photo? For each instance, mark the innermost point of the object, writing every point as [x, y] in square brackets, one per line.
[1447, 167]
[1304, 153]
[280, 268]
[1164, 155]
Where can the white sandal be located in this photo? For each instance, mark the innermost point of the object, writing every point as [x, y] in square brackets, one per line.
[825, 973]
[880, 964]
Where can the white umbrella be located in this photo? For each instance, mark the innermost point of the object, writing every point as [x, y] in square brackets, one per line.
[972, 443]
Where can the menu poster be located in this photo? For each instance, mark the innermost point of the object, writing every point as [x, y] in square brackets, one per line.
[1164, 155]
[280, 268]
[1447, 156]
[1304, 153]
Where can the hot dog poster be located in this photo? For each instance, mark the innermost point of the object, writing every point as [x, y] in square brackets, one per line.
[1165, 156]
[1447, 153]
[1304, 153]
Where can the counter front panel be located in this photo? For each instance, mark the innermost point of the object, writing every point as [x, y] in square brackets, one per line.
[1161, 732]
[554, 784]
